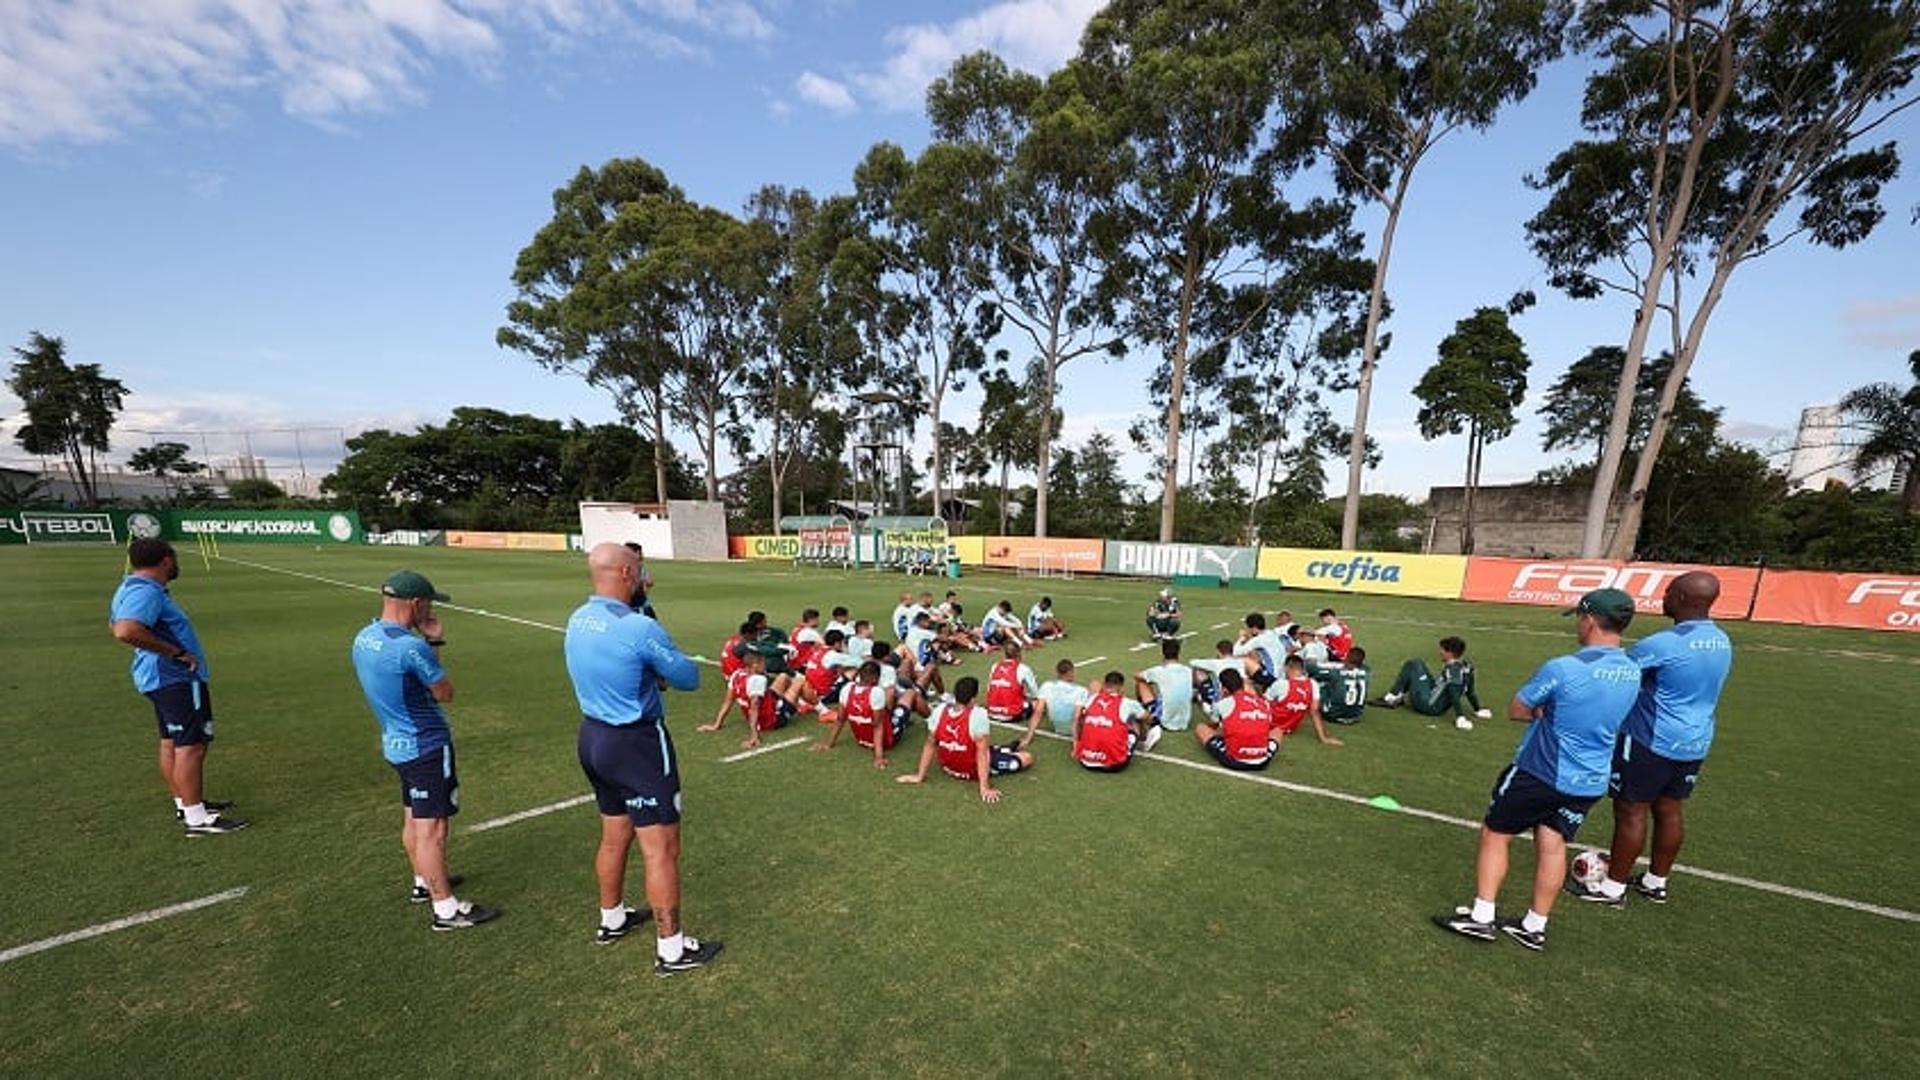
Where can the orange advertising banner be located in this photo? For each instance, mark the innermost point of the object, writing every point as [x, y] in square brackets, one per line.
[1866, 601]
[507, 541]
[1561, 582]
[1013, 552]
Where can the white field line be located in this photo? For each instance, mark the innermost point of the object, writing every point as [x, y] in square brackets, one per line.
[563, 804]
[1257, 778]
[1153, 644]
[483, 612]
[1221, 625]
[758, 750]
[1088, 660]
[109, 927]
[1465, 823]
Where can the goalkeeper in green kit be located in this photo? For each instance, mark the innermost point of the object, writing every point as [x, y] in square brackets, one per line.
[1452, 691]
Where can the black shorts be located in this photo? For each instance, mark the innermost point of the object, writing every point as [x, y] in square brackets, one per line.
[632, 769]
[1640, 775]
[1217, 746]
[1523, 801]
[1003, 762]
[184, 712]
[429, 786]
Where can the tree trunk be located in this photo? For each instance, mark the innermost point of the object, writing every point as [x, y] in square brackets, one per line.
[1593, 535]
[1474, 449]
[1003, 496]
[659, 451]
[1910, 495]
[1045, 456]
[1369, 357]
[939, 459]
[1176, 392]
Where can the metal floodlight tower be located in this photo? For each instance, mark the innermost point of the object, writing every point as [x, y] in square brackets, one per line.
[876, 433]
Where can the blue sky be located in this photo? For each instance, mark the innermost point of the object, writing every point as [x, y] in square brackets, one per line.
[267, 214]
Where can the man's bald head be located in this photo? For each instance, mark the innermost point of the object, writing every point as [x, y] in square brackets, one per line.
[1691, 596]
[614, 568]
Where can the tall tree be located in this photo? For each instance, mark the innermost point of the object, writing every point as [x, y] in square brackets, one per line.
[578, 306]
[70, 409]
[1054, 168]
[1010, 411]
[1200, 230]
[1883, 421]
[1476, 385]
[1578, 406]
[1396, 78]
[164, 461]
[1711, 122]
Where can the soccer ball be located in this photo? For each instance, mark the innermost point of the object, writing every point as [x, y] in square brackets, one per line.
[1589, 868]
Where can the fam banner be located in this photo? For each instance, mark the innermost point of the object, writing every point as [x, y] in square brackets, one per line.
[1866, 601]
[1138, 559]
[1013, 552]
[1393, 573]
[1561, 582]
[507, 541]
[764, 547]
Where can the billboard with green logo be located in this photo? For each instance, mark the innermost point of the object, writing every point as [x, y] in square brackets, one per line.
[120, 526]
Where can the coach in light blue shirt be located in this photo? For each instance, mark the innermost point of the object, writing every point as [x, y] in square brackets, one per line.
[1665, 739]
[620, 660]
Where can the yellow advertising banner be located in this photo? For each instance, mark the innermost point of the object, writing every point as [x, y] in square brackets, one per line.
[972, 550]
[507, 541]
[768, 547]
[1393, 573]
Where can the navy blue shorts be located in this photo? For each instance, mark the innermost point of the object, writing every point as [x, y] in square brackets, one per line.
[184, 712]
[1003, 762]
[429, 786]
[1523, 801]
[1217, 746]
[633, 770]
[1640, 775]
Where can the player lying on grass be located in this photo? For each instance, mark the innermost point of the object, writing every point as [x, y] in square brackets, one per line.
[1453, 691]
[1043, 624]
[1166, 691]
[1060, 699]
[872, 711]
[1261, 650]
[1011, 689]
[1001, 625]
[959, 737]
[1294, 698]
[1243, 740]
[1163, 616]
[1109, 726]
[1575, 705]
[1343, 687]
[761, 699]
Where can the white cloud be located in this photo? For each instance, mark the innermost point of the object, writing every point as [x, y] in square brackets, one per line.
[827, 93]
[1037, 35]
[87, 70]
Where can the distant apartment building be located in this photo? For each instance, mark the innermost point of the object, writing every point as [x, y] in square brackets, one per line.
[1823, 454]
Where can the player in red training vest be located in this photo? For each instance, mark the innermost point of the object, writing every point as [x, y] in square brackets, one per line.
[871, 710]
[761, 699]
[1011, 688]
[1337, 635]
[806, 638]
[958, 737]
[1296, 698]
[1108, 726]
[1243, 739]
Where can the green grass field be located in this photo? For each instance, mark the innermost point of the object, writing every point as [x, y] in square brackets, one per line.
[1166, 921]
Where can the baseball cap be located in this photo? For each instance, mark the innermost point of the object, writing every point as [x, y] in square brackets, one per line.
[1610, 602]
[407, 585]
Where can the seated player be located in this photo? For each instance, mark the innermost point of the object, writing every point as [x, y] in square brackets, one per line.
[959, 738]
[1206, 673]
[1061, 698]
[1109, 727]
[943, 611]
[1000, 626]
[1310, 646]
[1166, 691]
[905, 692]
[840, 620]
[1011, 689]
[936, 613]
[920, 658]
[1338, 636]
[762, 699]
[827, 673]
[806, 637]
[1452, 692]
[1243, 740]
[860, 642]
[731, 649]
[1043, 624]
[903, 614]
[1343, 687]
[871, 710]
[1261, 651]
[958, 635]
[1295, 698]
[1163, 616]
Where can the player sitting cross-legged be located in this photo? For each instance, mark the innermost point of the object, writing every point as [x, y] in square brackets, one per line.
[1043, 624]
[1243, 739]
[1109, 726]
[871, 710]
[762, 699]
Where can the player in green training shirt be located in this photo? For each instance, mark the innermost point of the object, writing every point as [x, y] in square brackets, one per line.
[1343, 687]
[1420, 690]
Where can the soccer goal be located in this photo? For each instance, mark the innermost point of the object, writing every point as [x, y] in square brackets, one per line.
[1043, 564]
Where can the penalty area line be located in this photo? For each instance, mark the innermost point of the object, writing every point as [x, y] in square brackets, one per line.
[124, 923]
[758, 750]
[482, 612]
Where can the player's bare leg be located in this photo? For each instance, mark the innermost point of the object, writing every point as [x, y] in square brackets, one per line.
[610, 861]
[166, 765]
[1629, 839]
[188, 764]
[660, 854]
[427, 848]
[1490, 866]
[1550, 872]
[1669, 831]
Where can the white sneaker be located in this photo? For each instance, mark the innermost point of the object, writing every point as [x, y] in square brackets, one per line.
[1393, 699]
[1484, 714]
[1463, 723]
[1153, 738]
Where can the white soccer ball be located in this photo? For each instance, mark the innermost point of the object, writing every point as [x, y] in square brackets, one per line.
[1590, 868]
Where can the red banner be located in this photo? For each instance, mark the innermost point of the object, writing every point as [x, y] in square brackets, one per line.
[1866, 601]
[1084, 556]
[1561, 582]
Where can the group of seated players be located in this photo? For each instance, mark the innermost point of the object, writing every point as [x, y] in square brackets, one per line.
[1253, 692]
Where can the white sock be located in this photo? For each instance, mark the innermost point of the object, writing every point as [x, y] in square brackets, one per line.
[448, 908]
[670, 948]
[612, 918]
[1612, 889]
[177, 804]
[1533, 922]
[1482, 910]
[1653, 881]
[197, 814]
[419, 882]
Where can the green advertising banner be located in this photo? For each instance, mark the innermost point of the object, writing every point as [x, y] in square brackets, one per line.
[120, 526]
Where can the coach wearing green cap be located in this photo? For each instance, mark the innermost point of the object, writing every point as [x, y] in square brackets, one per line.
[397, 658]
[1575, 704]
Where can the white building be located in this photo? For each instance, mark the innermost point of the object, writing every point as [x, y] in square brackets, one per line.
[1823, 454]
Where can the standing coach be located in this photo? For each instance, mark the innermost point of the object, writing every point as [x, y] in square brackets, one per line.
[170, 668]
[619, 661]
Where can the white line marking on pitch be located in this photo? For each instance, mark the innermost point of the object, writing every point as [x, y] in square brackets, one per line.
[1465, 823]
[483, 612]
[1151, 644]
[1088, 660]
[1221, 625]
[758, 750]
[563, 804]
[155, 915]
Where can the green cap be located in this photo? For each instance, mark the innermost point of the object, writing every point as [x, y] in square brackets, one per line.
[407, 585]
[1610, 602]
